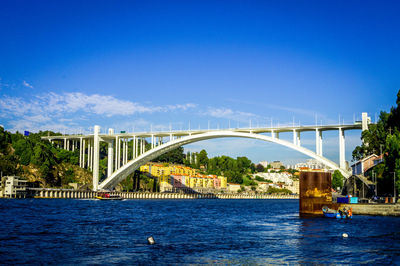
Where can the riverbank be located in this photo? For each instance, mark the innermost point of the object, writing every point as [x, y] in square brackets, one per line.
[48, 193]
[375, 209]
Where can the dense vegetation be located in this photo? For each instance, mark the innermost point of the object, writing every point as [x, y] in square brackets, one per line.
[383, 138]
[235, 170]
[27, 155]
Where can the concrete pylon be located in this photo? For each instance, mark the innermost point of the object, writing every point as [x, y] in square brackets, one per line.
[318, 142]
[365, 121]
[110, 158]
[342, 149]
[96, 157]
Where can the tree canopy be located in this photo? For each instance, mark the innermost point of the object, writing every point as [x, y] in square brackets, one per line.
[17, 150]
[383, 138]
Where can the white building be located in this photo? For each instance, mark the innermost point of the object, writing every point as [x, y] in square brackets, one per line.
[264, 164]
[15, 187]
[277, 177]
[312, 164]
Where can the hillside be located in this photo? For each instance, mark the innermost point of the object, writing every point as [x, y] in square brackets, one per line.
[39, 161]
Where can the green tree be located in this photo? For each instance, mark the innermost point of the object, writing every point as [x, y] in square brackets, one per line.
[5, 140]
[175, 156]
[392, 163]
[337, 179]
[202, 158]
[24, 149]
[259, 168]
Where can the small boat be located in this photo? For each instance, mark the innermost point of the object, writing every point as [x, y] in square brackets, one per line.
[107, 196]
[344, 213]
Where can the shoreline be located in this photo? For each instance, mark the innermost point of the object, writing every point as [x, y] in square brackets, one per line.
[47, 193]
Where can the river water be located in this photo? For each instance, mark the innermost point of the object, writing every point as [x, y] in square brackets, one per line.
[257, 232]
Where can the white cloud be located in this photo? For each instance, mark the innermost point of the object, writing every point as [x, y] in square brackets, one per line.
[289, 109]
[34, 112]
[53, 104]
[182, 107]
[228, 113]
[26, 84]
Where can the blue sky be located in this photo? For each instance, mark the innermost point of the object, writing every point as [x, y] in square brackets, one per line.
[67, 65]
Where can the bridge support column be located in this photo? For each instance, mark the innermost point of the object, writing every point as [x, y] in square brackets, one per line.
[342, 150]
[318, 142]
[134, 147]
[116, 152]
[80, 152]
[152, 142]
[89, 154]
[65, 143]
[273, 134]
[84, 153]
[298, 140]
[365, 120]
[119, 154]
[126, 151]
[110, 155]
[96, 157]
[123, 151]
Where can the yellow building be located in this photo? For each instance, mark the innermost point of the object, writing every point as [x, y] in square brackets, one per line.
[224, 181]
[192, 181]
[191, 178]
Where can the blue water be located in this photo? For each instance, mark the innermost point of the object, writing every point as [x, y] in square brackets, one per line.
[35, 231]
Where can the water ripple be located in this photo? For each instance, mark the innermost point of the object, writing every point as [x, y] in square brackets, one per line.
[249, 232]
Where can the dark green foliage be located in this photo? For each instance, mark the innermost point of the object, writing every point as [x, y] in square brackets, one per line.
[69, 177]
[337, 179]
[229, 167]
[260, 179]
[103, 164]
[383, 138]
[24, 149]
[248, 182]
[272, 190]
[5, 140]
[375, 136]
[32, 150]
[202, 158]
[391, 164]
[9, 165]
[175, 156]
[259, 168]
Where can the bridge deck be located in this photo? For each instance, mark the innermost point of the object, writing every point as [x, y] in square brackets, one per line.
[181, 133]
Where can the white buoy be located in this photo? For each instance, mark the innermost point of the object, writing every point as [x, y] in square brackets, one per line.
[151, 240]
[345, 235]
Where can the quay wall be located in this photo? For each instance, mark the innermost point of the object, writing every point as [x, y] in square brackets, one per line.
[375, 209]
[86, 194]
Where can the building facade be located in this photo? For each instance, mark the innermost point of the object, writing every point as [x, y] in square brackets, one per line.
[174, 178]
[14, 187]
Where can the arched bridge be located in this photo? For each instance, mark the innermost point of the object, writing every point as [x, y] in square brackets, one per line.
[124, 164]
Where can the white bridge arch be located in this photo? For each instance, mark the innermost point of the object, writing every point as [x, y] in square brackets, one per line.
[131, 166]
[121, 163]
